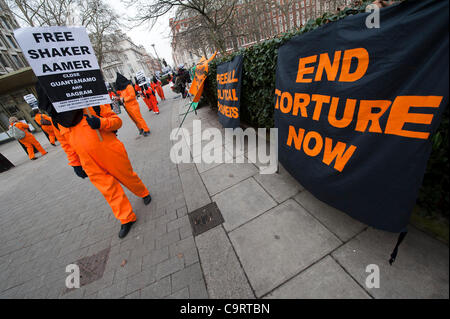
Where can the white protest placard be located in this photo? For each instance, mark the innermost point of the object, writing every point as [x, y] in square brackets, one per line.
[31, 100]
[65, 64]
[140, 76]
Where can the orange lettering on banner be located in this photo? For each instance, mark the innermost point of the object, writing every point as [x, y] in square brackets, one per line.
[339, 153]
[347, 118]
[297, 138]
[400, 115]
[301, 101]
[278, 94]
[330, 69]
[302, 69]
[365, 115]
[286, 108]
[319, 99]
[362, 57]
[317, 144]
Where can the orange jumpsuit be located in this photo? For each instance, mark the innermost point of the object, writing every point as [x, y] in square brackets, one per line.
[105, 162]
[46, 128]
[132, 107]
[159, 89]
[29, 140]
[152, 103]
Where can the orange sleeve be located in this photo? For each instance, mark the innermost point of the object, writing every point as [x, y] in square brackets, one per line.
[46, 117]
[72, 156]
[109, 120]
[37, 118]
[22, 126]
[128, 94]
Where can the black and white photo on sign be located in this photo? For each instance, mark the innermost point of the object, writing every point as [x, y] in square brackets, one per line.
[65, 64]
[31, 100]
[140, 76]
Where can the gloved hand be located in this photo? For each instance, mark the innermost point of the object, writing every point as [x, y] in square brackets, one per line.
[93, 121]
[80, 171]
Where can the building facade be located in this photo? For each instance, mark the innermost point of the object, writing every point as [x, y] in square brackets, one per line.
[254, 21]
[16, 77]
[127, 58]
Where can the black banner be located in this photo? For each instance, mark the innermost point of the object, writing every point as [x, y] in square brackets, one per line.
[229, 78]
[356, 108]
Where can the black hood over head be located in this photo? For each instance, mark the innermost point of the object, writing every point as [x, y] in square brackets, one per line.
[121, 82]
[66, 119]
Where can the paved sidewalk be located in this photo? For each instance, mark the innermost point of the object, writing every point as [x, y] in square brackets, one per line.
[277, 240]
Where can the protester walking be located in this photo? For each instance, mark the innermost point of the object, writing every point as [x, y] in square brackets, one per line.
[127, 95]
[104, 161]
[20, 131]
[45, 122]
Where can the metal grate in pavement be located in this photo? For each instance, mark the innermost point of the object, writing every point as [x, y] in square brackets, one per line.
[92, 267]
[205, 218]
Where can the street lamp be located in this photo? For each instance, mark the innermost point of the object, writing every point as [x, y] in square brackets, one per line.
[153, 45]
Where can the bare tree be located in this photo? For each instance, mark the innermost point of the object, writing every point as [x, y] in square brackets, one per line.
[209, 15]
[42, 12]
[97, 16]
[101, 22]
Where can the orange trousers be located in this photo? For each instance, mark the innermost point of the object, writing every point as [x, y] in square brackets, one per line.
[107, 165]
[160, 92]
[49, 130]
[134, 112]
[151, 103]
[29, 141]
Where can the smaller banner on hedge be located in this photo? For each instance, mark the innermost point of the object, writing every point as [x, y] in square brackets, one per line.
[229, 79]
[201, 70]
[65, 64]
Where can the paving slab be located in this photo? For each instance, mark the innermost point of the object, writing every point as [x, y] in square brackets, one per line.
[280, 186]
[420, 271]
[338, 222]
[279, 244]
[223, 176]
[242, 202]
[323, 280]
[224, 275]
[194, 190]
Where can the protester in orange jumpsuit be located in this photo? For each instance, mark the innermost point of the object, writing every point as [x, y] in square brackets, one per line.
[105, 162]
[128, 96]
[148, 95]
[45, 122]
[29, 140]
[158, 88]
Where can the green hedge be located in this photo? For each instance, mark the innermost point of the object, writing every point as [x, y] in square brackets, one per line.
[257, 105]
[258, 78]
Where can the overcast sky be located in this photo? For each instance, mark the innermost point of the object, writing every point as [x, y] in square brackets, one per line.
[158, 35]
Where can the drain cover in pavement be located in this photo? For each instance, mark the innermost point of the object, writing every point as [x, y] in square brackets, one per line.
[205, 218]
[92, 267]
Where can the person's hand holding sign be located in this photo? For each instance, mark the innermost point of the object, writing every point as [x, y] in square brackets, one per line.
[93, 121]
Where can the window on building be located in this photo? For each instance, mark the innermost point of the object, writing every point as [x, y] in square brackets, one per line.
[23, 59]
[17, 61]
[5, 23]
[5, 44]
[3, 61]
[11, 41]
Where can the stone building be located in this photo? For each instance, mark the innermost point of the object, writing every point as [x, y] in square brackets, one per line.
[254, 21]
[127, 58]
[16, 77]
